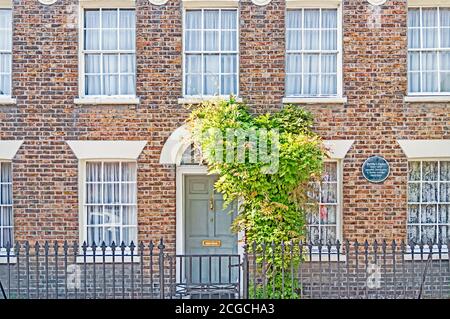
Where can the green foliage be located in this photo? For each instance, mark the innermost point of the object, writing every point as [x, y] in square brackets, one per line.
[271, 205]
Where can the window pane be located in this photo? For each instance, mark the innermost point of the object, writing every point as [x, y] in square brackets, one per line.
[211, 85]
[94, 193]
[94, 215]
[414, 38]
[428, 214]
[109, 40]
[129, 172]
[294, 19]
[127, 63]
[229, 84]
[94, 235]
[444, 193]
[430, 38]
[5, 85]
[212, 64]
[93, 85]
[413, 214]
[312, 18]
[193, 64]
[329, 40]
[111, 85]
[129, 216]
[413, 234]
[92, 19]
[414, 171]
[229, 20]
[229, 63]
[429, 234]
[294, 63]
[92, 63]
[330, 172]
[127, 19]
[445, 171]
[414, 18]
[445, 17]
[311, 63]
[129, 235]
[229, 41]
[414, 192]
[111, 172]
[111, 214]
[444, 214]
[329, 63]
[293, 40]
[112, 234]
[293, 85]
[5, 172]
[5, 63]
[445, 81]
[429, 193]
[193, 41]
[109, 19]
[92, 39]
[128, 193]
[329, 19]
[312, 39]
[414, 61]
[445, 38]
[211, 19]
[311, 84]
[429, 17]
[430, 171]
[5, 40]
[329, 193]
[211, 40]
[127, 39]
[127, 85]
[193, 84]
[193, 19]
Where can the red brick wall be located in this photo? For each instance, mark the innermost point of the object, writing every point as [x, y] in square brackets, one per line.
[45, 72]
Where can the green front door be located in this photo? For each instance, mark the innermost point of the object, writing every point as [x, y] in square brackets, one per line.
[207, 229]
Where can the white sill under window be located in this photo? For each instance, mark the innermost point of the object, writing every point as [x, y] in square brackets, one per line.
[315, 100]
[421, 98]
[107, 100]
[200, 99]
[7, 100]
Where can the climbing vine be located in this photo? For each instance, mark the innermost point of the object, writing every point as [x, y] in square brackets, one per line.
[272, 190]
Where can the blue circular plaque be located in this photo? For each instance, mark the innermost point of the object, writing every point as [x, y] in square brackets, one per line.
[376, 169]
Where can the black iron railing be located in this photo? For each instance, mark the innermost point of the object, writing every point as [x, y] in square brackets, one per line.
[284, 270]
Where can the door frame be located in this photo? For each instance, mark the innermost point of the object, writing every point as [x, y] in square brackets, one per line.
[181, 172]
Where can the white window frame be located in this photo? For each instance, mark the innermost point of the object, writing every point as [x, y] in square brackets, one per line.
[421, 160]
[437, 50]
[101, 99]
[338, 97]
[83, 207]
[339, 202]
[202, 97]
[7, 97]
[3, 248]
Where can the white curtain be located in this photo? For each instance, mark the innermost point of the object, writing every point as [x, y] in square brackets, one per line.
[112, 73]
[207, 60]
[111, 186]
[423, 32]
[5, 45]
[6, 215]
[308, 73]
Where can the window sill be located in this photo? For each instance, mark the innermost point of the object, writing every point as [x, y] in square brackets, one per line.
[314, 100]
[7, 101]
[107, 101]
[427, 99]
[108, 259]
[198, 100]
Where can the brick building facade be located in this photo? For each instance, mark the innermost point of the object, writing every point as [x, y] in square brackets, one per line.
[46, 109]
